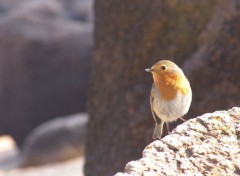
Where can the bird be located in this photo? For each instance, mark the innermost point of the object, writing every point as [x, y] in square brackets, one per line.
[171, 95]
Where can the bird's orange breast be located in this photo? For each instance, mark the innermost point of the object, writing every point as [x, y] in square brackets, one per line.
[170, 84]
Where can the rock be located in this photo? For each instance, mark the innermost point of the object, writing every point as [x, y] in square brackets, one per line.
[9, 153]
[206, 145]
[6, 143]
[213, 68]
[55, 140]
[44, 66]
[7, 5]
[201, 36]
[81, 10]
[125, 44]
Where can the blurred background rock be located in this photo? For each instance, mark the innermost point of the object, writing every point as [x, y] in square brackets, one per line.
[202, 37]
[45, 55]
[56, 140]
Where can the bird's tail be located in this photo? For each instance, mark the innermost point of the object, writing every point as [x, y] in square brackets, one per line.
[157, 134]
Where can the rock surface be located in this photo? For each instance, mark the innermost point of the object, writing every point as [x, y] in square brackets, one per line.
[202, 37]
[9, 153]
[206, 145]
[44, 65]
[80, 10]
[56, 140]
[213, 69]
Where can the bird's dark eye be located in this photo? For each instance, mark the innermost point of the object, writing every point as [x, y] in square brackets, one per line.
[163, 67]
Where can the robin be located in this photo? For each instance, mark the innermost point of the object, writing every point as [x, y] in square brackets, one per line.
[171, 95]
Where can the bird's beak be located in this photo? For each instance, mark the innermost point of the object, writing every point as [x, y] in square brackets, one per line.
[149, 70]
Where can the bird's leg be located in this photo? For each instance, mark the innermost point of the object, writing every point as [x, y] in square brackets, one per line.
[167, 128]
[157, 134]
[182, 118]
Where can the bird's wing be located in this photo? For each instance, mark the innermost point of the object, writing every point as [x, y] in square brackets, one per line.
[157, 120]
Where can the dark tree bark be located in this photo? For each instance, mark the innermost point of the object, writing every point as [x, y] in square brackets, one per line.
[129, 37]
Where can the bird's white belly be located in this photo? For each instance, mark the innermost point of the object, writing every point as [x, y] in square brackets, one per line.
[171, 110]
